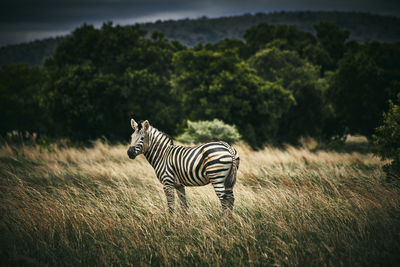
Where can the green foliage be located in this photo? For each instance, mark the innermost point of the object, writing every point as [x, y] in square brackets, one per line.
[363, 27]
[317, 55]
[237, 46]
[310, 113]
[362, 85]
[332, 39]
[276, 87]
[220, 85]
[99, 78]
[20, 98]
[84, 104]
[387, 139]
[207, 131]
[258, 36]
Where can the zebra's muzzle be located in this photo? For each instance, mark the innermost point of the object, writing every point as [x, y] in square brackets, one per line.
[131, 153]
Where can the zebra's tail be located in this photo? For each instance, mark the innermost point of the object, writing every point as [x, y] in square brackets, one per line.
[231, 178]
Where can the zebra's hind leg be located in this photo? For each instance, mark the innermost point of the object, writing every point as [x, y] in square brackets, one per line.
[182, 197]
[170, 194]
[225, 196]
[227, 201]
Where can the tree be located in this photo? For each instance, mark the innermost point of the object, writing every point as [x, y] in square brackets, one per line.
[236, 45]
[219, 85]
[98, 78]
[362, 85]
[308, 115]
[149, 97]
[19, 99]
[332, 39]
[317, 55]
[387, 139]
[110, 49]
[84, 103]
[258, 36]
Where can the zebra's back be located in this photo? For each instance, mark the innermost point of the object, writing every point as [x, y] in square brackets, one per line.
[200, 165]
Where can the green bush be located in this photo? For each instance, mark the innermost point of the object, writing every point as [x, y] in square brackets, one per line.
[207, 131]
[387, 139]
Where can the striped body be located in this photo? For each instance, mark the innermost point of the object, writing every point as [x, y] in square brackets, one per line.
[178, 166]
[190, 166]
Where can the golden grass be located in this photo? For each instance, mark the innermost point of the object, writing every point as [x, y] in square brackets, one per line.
[94, 206]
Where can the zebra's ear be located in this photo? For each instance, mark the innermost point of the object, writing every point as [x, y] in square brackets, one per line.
[146, 125]
[134, 124]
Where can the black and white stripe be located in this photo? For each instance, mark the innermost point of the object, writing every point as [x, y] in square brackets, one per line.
[178, 166]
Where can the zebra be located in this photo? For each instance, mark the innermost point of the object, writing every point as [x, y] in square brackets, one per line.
[178, 166]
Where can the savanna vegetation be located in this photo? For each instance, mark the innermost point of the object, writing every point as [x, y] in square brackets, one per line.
[288, 98]
[363, 27]
[294, 206]
[278, 85]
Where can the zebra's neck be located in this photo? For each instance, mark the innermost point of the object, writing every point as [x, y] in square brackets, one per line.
[159, 146]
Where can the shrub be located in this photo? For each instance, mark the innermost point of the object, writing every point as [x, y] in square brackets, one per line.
[207, 131]
[387, 139]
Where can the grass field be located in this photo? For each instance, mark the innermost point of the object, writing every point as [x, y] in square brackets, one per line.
[94, 206]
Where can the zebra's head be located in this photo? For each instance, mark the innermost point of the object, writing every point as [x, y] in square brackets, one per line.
[139, 138]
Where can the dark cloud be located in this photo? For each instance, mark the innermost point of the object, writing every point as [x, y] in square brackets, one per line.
[24, 20]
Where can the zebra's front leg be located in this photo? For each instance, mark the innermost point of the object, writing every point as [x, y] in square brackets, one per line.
[182, 197]
[170, 194]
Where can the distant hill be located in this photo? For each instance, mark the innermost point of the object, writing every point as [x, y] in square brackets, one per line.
[362, 26]
[32, 53]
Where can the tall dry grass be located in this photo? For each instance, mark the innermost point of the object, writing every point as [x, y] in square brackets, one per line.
[94, 206]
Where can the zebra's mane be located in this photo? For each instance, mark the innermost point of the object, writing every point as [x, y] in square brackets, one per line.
[167, 135]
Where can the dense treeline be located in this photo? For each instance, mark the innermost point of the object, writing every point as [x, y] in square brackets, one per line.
[277, 85]
[362, 27]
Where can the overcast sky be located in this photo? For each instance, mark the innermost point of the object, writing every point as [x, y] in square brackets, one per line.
[26, 20]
